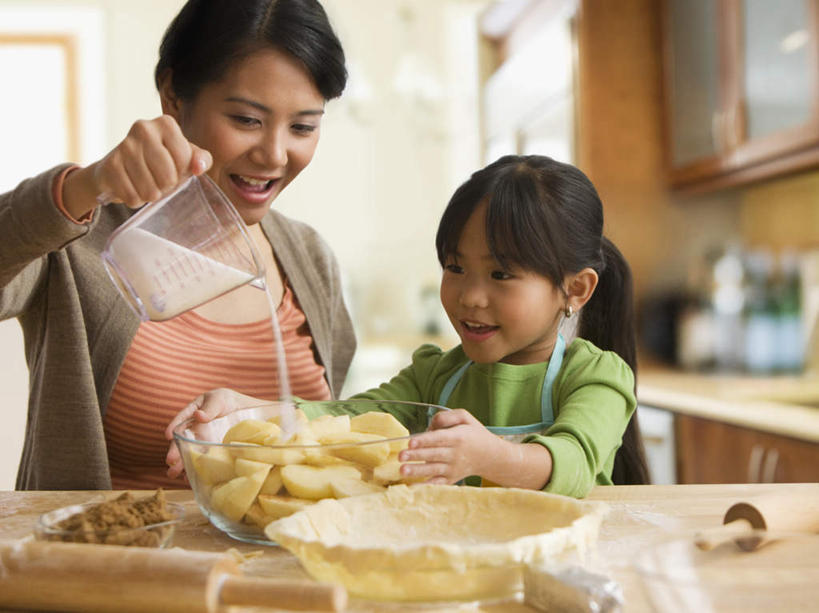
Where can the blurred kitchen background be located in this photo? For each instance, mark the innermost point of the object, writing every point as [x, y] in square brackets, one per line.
[697, 120]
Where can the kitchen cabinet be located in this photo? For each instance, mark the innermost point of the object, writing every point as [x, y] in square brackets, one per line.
[713, 452]
[741, 83]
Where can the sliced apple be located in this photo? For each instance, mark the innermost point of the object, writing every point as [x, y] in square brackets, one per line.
[384, 424]
[255, 515]
[273, 483]
[328, 425]
[250, 431]
[312, 482]
[246, 468]
[344, 487]
[213, 466]
[235, 497]
[282, 506]
[371, 454]
[267, 454]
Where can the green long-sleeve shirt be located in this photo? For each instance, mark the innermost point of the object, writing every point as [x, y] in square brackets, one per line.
[592, 399]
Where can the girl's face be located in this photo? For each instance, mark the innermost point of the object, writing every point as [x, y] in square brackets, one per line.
[261, 125]
[501, 315]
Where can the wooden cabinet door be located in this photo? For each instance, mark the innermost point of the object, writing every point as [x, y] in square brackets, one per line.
[741, 90]
[694, 90]
[774, 105]
[714, 452]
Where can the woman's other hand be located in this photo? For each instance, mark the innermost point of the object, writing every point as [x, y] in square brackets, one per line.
[152, 160]
[205, 408]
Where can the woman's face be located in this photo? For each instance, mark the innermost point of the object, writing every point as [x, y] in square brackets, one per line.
[260, 123]
[501, 315]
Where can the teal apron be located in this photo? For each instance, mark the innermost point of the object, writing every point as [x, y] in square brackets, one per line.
[517, 433]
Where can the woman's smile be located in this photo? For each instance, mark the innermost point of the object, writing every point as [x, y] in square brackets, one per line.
[254, 189]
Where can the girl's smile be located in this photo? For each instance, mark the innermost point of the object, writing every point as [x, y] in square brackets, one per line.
[477, 332]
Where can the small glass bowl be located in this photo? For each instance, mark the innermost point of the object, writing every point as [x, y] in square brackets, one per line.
[157, 535]
[224, 488]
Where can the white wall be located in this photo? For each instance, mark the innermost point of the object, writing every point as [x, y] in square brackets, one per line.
[390, 155]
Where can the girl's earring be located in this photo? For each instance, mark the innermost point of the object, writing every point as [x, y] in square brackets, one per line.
[569, 311]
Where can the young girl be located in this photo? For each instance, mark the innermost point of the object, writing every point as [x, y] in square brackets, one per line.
[522, 248]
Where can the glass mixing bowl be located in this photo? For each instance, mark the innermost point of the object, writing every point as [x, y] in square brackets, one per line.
[243, 477]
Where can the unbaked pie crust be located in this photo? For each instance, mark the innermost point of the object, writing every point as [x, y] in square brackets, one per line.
[436, 542]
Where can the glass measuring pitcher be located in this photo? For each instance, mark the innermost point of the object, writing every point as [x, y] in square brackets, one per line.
[181, 251]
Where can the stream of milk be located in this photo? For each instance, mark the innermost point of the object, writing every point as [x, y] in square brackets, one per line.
[170, 279]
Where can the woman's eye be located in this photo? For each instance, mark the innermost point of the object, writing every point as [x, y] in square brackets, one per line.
[501, 275]
[454, 268]
[245, 120]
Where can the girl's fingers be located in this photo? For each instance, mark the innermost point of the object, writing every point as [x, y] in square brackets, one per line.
[428, 455]
[432, 438]
[447, 419]
[429, 470]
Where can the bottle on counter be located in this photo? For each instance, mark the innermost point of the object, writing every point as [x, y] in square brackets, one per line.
[728, 300]
[790, 344]
[695, 321]
[761, 314]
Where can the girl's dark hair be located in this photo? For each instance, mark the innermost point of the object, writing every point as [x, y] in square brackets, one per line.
[546, 217]
[208, 36]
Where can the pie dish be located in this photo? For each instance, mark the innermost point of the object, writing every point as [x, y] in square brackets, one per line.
[436, 542]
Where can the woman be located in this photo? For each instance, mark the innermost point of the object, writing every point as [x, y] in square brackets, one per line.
[243, 87]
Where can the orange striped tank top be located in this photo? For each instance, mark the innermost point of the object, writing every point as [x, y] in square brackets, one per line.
[170, 363]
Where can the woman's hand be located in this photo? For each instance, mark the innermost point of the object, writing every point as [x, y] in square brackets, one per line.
[457, 445]
[152, 160]
[204, 408]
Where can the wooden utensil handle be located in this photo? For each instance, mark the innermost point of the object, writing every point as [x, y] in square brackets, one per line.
[289, 595]
[713, 537]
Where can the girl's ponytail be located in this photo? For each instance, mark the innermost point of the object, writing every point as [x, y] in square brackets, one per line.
[607, 320]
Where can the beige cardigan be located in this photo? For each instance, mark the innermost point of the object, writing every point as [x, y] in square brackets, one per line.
[77, 328]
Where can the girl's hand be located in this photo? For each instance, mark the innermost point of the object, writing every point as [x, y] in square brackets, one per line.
[456, 446]
[204, 408]
[152, 160]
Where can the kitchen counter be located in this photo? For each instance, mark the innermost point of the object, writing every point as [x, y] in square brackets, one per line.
[639, 516]
[786, 405]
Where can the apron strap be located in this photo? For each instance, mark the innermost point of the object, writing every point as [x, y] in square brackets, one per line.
[547, 414]
[546, 410]
[450, 385]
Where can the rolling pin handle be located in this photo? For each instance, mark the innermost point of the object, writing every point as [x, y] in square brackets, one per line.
[713, 537]
[239, 590]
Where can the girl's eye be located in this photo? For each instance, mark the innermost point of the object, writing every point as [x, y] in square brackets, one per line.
[303, 128]
[454, 268]
[501, 275]
[243, 120]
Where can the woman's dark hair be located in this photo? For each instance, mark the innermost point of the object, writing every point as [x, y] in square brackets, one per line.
[546, 217]
[208, 36]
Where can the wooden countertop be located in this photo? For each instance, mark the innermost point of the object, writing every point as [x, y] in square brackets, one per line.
[639, 516]
[786, 405]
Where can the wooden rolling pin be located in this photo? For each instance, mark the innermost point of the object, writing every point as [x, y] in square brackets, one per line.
[745, 521]
[80, 577]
